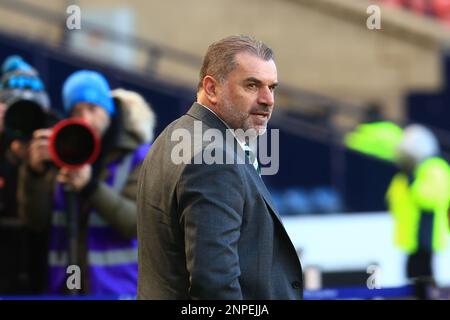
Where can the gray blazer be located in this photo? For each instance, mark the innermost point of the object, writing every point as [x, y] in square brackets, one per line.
[210, 231]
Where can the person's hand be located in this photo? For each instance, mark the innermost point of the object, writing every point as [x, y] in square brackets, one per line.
[76, 178]
[39, 151]
[2, 116]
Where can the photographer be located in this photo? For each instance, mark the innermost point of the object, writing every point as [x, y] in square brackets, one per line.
[105, 190]
[24, 107]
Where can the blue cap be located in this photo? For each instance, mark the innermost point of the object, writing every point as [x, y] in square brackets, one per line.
[87, 86]
[19, 80]
[15, 62]
[18, 74]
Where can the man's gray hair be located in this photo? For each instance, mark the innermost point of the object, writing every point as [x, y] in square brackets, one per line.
[219, 59]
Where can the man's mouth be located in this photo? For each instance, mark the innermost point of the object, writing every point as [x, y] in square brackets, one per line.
[261, 114]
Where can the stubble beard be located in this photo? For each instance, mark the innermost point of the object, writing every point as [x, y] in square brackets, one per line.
[237, 119]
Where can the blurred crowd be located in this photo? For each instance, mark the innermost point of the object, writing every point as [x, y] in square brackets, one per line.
[68, 183]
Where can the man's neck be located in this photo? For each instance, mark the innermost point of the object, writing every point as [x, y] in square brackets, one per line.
[215, 113]
[241, 142]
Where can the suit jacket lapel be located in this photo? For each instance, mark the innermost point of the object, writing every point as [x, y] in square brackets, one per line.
[261, 186]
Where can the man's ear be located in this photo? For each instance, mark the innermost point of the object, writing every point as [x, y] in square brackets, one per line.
[210, 86]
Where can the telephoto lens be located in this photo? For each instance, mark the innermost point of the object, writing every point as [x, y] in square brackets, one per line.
[73, 144]
[23, 117]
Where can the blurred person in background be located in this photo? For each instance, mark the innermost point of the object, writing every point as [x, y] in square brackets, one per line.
[106, 190]
[22, 97]
[418, 198]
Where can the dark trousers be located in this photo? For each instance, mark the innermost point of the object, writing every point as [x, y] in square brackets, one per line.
[420, 264]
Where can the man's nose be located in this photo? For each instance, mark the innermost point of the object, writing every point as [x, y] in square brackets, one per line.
[84, 115]
[266, 96]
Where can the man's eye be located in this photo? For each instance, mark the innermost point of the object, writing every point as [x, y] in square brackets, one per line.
[251, 85]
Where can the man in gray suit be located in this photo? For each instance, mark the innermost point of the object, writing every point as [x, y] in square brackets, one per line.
[210, 230]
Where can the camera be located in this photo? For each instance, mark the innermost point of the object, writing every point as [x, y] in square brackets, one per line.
[73, 144]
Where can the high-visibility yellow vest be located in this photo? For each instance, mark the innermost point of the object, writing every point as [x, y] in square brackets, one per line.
[377, 139]
[429, 192]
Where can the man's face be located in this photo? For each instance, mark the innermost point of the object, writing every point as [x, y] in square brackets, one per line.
[95, 116]
[246, 97]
